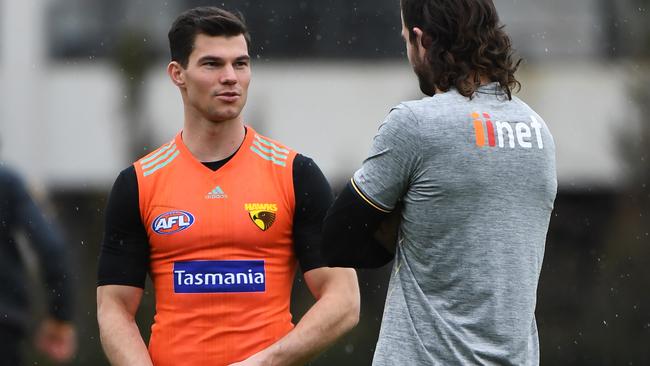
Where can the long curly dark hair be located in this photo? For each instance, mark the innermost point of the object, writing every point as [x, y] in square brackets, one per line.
[466, 41]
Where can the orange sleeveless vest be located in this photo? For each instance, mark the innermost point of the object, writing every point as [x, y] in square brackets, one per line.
[222, 258]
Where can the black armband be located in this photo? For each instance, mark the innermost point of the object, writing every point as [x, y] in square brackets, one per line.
[348, 233]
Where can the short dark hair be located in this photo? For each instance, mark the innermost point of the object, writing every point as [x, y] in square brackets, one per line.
[208, 20]
[466, 36]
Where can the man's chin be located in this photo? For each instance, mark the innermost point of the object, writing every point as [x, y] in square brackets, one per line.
[224, 115]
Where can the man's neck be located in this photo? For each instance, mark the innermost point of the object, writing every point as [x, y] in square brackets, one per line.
[483, 81]
[212, 141]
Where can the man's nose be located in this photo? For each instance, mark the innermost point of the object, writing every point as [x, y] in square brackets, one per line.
[228, 75]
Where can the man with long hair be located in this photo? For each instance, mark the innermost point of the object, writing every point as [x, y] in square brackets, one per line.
[466, 177]
[56, 336]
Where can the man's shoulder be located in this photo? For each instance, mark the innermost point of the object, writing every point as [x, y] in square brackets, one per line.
[270, 152]
[426, 107]
[436, 101]
[268, 142]
[9, 177]
[152, 160]
[128, 173]
[159, 158]
[7, 173]
[158, 152]
[525, 107]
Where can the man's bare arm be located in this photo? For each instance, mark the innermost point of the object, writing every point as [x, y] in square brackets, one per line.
[120, 336]
[335, 312]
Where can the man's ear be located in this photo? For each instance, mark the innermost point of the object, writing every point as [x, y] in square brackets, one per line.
[176, 74]
[422, 41]
[422, 38]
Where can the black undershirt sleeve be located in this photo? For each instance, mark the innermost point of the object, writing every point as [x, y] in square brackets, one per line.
[348, 233]
[313, 197]
[124, 255]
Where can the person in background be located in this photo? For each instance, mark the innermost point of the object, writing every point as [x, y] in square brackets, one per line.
[467, 176]
[55, 336]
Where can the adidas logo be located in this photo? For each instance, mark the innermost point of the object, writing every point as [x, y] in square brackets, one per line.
[217, 192]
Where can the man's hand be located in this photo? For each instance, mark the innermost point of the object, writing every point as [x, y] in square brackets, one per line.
[118, 332]
[57, 339]
[335, 312]
[254, 360]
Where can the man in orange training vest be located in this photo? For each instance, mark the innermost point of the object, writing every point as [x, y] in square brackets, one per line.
[219, 216]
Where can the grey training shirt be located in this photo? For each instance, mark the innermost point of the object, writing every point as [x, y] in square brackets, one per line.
[477, 182]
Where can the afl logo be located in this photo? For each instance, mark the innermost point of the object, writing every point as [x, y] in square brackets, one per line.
[172, 222]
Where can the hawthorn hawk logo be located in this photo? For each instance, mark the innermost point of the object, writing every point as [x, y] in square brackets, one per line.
[262, 214]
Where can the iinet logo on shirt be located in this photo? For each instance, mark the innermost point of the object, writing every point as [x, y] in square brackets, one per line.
[491, 134]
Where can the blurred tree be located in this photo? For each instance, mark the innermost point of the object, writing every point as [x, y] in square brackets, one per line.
[627, 270]
[624, 300]
[133, 58]
[594, 305]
